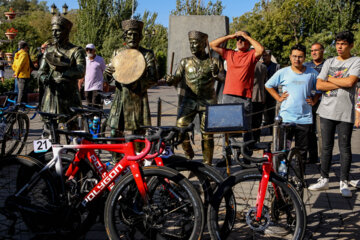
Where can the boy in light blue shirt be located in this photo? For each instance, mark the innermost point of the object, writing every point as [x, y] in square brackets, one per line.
[297, 82]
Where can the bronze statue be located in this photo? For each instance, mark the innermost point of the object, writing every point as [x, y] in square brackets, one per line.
[62, 65]
[130, 109]
[199, 73]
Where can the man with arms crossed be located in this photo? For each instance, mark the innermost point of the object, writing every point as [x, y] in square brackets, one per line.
[337, 80]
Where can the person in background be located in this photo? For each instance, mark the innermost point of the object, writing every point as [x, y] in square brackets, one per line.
[270, 102]
[258, 98]
[2, 66]
[297, 83]
[337, 80]
[317, 55]
[21, 67]
[239, 80]
[94, 80]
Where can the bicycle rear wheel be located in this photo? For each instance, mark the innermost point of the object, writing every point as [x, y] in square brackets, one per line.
[174, 211]
[25, 131]
[283, 214]
[25, 216]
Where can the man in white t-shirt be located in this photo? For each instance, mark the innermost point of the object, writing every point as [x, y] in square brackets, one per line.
[337, 80]
[94, 80]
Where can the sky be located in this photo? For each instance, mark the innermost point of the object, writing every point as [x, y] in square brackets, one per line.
[233, 8]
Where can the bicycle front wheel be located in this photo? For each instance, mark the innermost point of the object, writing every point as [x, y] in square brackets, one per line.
[174, 209]
[283, 215]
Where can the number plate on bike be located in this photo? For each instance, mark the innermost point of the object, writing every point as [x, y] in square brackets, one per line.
[41, 145]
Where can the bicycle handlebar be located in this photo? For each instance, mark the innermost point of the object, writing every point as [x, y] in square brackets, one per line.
[242, 145]
[143, 153]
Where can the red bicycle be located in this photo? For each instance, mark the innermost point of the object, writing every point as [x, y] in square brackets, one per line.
[147, 203]
[267, 205]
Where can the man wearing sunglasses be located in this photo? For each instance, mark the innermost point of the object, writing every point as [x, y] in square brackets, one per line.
[239, 80]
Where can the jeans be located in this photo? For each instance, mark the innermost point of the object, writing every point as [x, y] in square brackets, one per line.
[301, 132]
[257, 119]
[93, 99]
[313, 144]
[344, 130]
[23, 84]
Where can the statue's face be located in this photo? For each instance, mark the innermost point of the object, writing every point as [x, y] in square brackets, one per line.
[132, 38]
[196, 46]
[59, 34]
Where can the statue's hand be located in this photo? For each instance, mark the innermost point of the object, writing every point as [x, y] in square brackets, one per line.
[214, 69]
[169, 79]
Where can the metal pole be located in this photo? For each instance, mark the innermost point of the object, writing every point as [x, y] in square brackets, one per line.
[159, 112]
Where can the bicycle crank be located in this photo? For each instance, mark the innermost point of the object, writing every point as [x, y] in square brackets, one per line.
[260, 225]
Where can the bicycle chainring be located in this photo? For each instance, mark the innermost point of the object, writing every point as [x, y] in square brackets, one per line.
[260, 225]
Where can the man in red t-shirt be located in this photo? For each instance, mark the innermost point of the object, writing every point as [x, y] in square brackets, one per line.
[239, 80]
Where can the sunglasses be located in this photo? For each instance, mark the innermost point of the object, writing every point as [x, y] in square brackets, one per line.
[240, 38]
[89, 50]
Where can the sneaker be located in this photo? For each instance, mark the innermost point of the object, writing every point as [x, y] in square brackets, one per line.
[344, 189]
[355, 183]
[322, 184]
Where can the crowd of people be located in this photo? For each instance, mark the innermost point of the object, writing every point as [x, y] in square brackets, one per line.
[318, 97]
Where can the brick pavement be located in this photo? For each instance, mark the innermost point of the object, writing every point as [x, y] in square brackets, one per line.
[330, 216]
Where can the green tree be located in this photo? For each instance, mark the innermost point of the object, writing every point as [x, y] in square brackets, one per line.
[99, 21]
[195, 7]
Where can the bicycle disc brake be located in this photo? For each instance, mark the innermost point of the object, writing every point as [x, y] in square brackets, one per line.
[260, 225]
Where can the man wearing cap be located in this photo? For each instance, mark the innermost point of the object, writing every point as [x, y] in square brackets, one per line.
[21, 67]
[239, 80]
[199, 73]
[130, 109]
[94, 80]
[63, 64]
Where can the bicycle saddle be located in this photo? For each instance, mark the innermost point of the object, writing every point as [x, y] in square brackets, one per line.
[54, 115]
[75, 133]
[85, 110]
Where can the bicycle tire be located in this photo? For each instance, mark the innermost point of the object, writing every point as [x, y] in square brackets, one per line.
[12, 134]
[25, 131]
[284, 216]
[206, 180]
[86, 172]
[295, 172]
[126, 217]
[25, 216]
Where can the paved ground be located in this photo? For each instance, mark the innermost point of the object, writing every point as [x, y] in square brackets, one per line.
[330, 216]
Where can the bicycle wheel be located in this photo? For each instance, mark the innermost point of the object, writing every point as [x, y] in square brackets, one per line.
[283, 214]
[295, 173]
[205, 179]
[12, 134]
[25, 122]
[26, 215]
[80, 220]
[174, 210]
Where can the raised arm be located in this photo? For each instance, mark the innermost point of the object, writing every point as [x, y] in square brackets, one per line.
[259, 49]
[215, 44]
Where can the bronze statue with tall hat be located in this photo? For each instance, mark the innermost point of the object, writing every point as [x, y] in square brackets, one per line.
[62, 65]
[199, 72]
[134, 69]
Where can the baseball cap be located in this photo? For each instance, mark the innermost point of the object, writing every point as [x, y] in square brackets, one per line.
[90, 46]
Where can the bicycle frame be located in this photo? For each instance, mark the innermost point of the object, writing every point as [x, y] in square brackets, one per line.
[130, 160]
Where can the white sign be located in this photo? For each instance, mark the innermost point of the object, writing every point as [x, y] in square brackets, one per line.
[41, 145]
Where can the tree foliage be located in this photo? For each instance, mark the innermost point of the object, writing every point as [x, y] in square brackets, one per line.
[99, 22]
[195, 7]
[280, 24]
